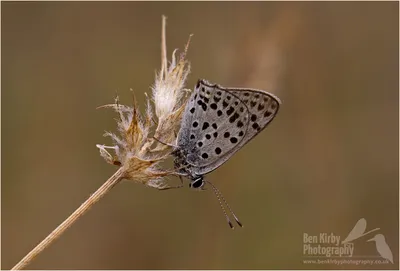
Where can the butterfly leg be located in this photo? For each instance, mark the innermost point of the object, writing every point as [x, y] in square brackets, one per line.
[163, 143]
[169, 187]
[174, 173]
[172, 187]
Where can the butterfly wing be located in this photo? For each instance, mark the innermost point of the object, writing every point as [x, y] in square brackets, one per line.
[261, 108]
[214, 123]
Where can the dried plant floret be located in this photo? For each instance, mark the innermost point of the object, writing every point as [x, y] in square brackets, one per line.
[135, 149]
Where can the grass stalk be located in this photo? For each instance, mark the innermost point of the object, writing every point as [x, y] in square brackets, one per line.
[55, 234]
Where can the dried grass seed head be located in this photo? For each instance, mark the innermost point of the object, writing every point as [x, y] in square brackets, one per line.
[135, 149]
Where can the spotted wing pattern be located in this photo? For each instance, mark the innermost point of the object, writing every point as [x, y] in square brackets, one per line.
[214, 123]
[218, 121]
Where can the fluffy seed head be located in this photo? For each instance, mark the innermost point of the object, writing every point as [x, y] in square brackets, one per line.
[135, 148]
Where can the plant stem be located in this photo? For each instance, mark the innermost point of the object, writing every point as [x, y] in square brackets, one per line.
[95, 197]
[164, 61]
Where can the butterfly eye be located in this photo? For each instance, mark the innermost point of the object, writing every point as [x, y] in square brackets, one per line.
[197, 183]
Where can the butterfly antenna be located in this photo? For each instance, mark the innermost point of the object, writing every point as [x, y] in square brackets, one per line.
[218, 193]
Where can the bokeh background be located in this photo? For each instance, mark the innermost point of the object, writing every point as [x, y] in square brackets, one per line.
[329, 158]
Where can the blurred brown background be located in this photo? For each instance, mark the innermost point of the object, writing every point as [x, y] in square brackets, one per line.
[329, 158]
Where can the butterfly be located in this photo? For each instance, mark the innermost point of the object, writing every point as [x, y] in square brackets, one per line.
[216, 123]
